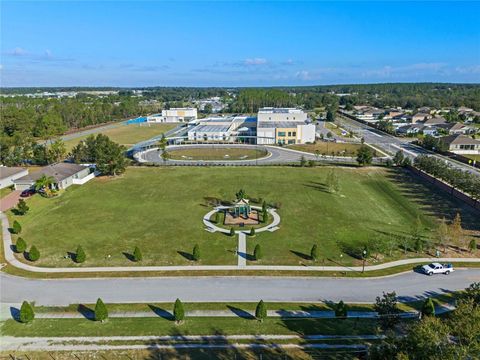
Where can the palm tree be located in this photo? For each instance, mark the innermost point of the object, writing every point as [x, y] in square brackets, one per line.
[44, 182]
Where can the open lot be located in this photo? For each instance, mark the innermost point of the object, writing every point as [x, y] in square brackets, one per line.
[161, 209]
[127, 134]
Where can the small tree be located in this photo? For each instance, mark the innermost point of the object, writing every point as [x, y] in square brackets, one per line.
[456, 230]
[303, 161]
[80, 255]
[178, 311]
[341, 310]
[265, 216]
[472, 245]
[252, 231]
[428, 308]
[257, 252]
[137, 254]
[22, 207]
[16, 227]
[398, 158]
[20, 245]
[196, 252]
[101, 312]
[386, 306]
[232, 231]
[27, 313]
[33, 254]
[261, 311]
[364, 155]
[314, 252]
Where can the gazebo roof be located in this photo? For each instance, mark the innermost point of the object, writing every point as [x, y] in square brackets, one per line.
[241, 202]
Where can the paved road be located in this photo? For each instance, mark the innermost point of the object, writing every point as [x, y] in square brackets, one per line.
[392, 144]
[408, 286]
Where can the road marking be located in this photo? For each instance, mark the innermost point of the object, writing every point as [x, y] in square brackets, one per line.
[371, 132]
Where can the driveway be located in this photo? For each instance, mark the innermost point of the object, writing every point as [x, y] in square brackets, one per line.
[408, 286]
[10, 200]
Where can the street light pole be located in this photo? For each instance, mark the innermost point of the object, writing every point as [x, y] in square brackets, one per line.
[364, 258]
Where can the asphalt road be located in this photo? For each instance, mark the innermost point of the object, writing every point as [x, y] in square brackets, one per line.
[392, 144]
[408, 286]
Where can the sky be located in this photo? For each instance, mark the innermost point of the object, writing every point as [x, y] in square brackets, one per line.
[151, 43]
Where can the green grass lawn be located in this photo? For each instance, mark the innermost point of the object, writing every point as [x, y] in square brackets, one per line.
[328, 148]
[473, 157]
[127, 134]
[205, 153]
[161, 210]
[191, 326]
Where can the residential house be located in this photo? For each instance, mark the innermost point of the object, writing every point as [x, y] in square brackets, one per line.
[63, 174]
[420, 116]
[9, 174]
[461, 144]
[437, 120]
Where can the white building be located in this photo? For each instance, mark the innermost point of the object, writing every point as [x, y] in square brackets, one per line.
[216, 128]
[9, 174]
[284, 126]
[174, 115]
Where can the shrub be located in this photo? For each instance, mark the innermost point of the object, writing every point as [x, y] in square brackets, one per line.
[428, 309]
[196, 252]
[341, 309]
[217, 217]
[26, 312]
[20, 245]
[232, 231]
[265, 216]
[314, 252]
[386, 306]
[252, 232]
[22, 207]
[80, 255]
[101, 312]
[472, 245]
[257, 252]
[261, 311]
[16, 227]
[178, 311]
[33, 254]
[137, 254]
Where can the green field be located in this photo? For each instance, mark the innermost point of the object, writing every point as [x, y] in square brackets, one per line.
[127, 134]
[217, 153]
[328, 148]
[161, 209]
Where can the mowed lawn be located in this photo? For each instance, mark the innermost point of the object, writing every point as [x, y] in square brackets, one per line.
[161, 210]
[127, 134]
[218, 153]
[328, 148]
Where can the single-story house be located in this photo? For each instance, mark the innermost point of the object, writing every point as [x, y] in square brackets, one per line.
[421, 116]
[435, 121]
[8, 174]
[410, 129]
[461, 144]
[63, 174]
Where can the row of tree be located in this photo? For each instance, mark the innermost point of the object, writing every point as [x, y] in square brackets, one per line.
[459, 179]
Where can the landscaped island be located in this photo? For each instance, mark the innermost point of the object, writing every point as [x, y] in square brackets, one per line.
[160, 210]
[217, 153]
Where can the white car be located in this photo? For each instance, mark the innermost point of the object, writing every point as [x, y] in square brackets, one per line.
[437, 268]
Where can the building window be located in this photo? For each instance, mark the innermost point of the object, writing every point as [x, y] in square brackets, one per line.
[281, 133]
[291, 141]
[289, 133]
[294, 133]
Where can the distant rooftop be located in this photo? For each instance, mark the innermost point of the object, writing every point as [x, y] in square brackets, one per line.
[272, 110]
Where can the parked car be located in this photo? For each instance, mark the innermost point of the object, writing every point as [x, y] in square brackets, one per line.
[437, 268]
[27, 193]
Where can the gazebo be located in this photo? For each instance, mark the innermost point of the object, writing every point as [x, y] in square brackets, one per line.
[241, 208]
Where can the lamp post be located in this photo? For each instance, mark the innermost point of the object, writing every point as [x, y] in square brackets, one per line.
[364, 258]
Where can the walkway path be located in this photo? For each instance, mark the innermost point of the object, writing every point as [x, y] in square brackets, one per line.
[11, 259]
[242, 250]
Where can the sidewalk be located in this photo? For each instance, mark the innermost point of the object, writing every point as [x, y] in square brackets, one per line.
[10, 258]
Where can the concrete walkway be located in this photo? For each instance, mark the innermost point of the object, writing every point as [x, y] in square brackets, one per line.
[242, 250]
[10, 258]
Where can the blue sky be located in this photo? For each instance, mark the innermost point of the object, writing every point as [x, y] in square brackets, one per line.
[237, 43]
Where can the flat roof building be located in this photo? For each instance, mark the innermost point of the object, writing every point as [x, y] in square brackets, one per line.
[174, 115]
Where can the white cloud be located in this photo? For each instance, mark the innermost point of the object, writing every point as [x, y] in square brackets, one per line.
[303, 74]
[255, 61]
[18, 51]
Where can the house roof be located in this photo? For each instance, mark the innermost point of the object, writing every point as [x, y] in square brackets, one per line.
[435, 120]
[459, 139]
[6, 172]
[59, 171]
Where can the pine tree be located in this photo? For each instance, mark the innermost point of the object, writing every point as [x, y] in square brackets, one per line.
[101, 312]
[196, 252]
[232, 231]
[22, 207]
[472, 245]
[80, 255]
[137, 254]
[257, 252]
[341, 309]
[261, 311]
[16, 227]
[428, 308]
[178, 311]
[252, 231]
[20, 245]
[314, 253]
[264, 216]
[27, 313]
[33, 254]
